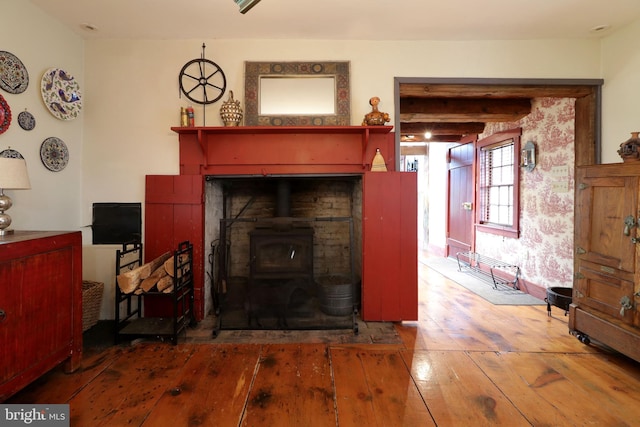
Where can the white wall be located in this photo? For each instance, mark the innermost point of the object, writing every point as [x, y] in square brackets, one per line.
[131, 99]
[621, 90]
[40, 43]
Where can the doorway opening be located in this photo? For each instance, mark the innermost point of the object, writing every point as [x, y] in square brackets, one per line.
[454, 110]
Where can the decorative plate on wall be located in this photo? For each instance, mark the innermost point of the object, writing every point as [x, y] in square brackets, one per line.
[10, 154]
[54, 154]
[5, 115]
[14, 77]
[26, 120]
[61, 94]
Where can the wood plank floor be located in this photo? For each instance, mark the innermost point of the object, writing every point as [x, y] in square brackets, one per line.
[464, 363]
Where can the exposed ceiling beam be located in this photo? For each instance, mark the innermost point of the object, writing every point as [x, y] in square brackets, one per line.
[435, 138]
[440, 128]
[421, 90]
[463, 109]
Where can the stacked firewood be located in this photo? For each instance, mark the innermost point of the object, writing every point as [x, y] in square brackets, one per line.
[154, 276]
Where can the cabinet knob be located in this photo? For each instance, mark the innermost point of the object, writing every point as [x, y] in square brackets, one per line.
[625, 303]
[3, 315]
[629, 222]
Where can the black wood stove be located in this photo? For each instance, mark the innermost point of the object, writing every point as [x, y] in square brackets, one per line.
[280, 291]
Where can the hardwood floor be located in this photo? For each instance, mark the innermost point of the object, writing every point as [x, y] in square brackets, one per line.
[465, 363]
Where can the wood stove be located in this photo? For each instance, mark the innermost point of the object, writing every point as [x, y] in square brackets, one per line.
[276, 238]
[280, 275]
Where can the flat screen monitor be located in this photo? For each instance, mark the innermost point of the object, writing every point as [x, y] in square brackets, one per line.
[116, 223]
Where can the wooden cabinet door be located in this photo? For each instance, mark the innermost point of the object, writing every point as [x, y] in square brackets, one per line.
[12, 325]
[390, 246]
[606, 253]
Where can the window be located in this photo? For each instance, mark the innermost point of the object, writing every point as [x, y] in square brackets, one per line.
[498, 183]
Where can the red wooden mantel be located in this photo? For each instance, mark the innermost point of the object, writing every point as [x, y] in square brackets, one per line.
[313, 150]
[269, 150]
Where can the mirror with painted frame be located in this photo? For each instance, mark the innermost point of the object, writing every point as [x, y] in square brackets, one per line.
[297, 94]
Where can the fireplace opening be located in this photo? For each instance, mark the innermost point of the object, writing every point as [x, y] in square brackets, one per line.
[276, 244]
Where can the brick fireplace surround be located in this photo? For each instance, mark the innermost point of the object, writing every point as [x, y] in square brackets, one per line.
[175, 206]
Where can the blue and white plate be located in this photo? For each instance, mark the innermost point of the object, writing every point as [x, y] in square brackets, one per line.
[10, 153]
[14, 77]
[61, 94]
[26, 120]
[54, 154]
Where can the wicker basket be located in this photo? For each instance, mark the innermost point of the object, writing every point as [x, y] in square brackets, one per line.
[91, 301]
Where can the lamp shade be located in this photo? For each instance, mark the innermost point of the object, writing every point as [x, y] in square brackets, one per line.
[13, 174]
[245, 5]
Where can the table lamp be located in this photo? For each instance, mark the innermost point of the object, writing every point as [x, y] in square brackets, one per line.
[245, 5]
[13, 176]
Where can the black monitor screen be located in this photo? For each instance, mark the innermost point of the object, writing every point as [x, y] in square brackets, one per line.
[116, 223]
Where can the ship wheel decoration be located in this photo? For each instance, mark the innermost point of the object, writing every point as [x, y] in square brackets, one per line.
[202, 80]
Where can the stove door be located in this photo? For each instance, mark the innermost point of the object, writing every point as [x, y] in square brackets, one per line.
[281, 254]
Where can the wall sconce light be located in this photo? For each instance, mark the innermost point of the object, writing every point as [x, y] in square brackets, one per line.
[245, 5]
[13, 176]
[528, 156]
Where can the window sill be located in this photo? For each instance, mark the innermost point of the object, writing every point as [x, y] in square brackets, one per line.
[499, 230]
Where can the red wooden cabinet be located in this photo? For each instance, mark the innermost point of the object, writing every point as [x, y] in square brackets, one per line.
[40, 304]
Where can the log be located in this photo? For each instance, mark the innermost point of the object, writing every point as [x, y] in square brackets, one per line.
[130, 280]
[169, 264]
[168, 290]
[164, 283]
[147, 284]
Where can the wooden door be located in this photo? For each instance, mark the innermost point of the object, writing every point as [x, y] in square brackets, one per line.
[606, 254]
[174, 213]
[460, 203]
[390, 246]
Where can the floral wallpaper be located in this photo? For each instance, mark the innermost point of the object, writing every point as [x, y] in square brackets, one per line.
[544, 250]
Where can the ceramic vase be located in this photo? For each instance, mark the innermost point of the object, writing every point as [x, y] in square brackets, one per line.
[230, 112]
[630, 149]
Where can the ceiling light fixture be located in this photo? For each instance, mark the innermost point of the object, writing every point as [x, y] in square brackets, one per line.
[428, 135]
[600, 28]
[246, 5]
[89, 27]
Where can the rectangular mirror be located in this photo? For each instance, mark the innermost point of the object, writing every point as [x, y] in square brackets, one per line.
[297, 94]
[281, 95]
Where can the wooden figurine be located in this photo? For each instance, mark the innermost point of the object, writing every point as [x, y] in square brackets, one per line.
[375, 117]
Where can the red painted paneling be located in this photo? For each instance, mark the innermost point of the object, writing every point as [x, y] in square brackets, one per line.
[389, 246]
[408, 234]
[174, 213]
[386, 143]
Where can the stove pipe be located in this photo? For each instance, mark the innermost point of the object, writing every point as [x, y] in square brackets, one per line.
[283, 199]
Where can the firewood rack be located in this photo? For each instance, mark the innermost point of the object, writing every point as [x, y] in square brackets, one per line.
[487, 268]
[130, 321]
